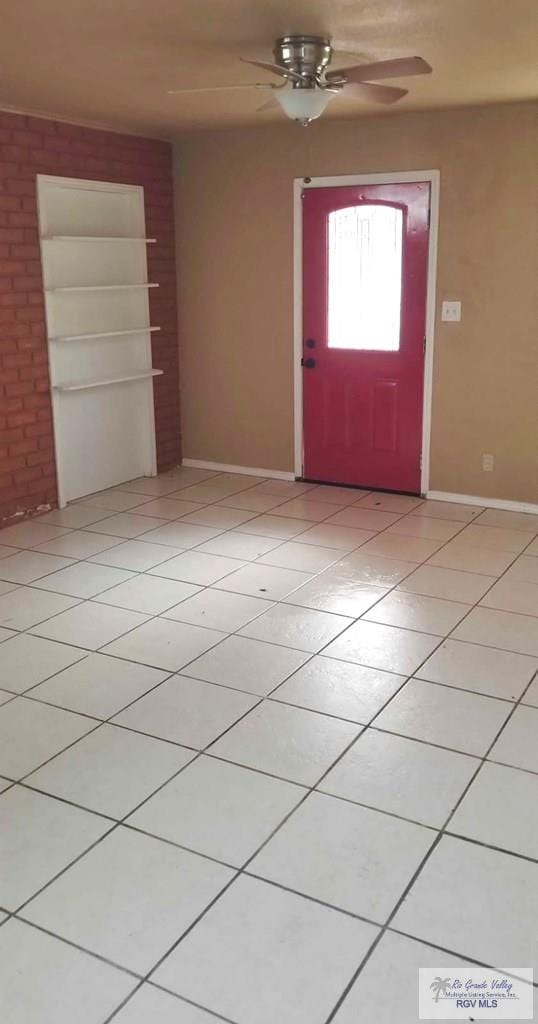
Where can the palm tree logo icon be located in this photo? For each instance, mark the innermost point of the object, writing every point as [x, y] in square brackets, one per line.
[440, 987]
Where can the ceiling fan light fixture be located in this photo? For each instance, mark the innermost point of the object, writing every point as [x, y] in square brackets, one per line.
[306, 87]
[303, 105]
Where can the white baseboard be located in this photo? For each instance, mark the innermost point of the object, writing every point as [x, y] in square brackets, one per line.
[223, 467]
[472, 499]
[459, 499]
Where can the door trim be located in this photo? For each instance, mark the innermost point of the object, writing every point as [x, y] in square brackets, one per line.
[299, 184]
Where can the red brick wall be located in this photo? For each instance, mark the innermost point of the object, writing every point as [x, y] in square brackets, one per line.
[30, 146]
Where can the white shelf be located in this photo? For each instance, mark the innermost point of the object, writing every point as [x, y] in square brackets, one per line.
[105, 334]
[84, 385]
[99, 287]
[97, 238]
[94, 247]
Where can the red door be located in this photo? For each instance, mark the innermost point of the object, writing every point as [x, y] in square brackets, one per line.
[365, 260]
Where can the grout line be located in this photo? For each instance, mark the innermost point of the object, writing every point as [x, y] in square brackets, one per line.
[283, 822]
[269, 696]
[414, 567]
[23, 693]
[491, 846]
[414, 678]
[280, 825]
[310, 898]
[88, 654]
[132, 811]
[442, 832]
[181, 670]
[75, 945]
[319, 653]
[179, 999]
[451, 952]
[184, 999]
[116, 821]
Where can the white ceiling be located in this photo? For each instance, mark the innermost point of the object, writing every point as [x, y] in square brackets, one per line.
[111, 62]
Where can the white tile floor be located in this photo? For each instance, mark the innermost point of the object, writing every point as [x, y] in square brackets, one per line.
[265, 749]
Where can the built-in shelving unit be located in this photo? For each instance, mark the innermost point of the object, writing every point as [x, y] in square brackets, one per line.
[93, 245]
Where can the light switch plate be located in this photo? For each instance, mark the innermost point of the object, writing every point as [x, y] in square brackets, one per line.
[451, 311]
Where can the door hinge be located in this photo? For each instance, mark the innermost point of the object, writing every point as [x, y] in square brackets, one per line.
[424, 344]
[420, 461]
[429, 215]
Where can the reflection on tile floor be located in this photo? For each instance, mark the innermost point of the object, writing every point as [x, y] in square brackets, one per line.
[266, 748]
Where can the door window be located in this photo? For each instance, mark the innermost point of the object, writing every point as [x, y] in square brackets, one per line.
[365, 278]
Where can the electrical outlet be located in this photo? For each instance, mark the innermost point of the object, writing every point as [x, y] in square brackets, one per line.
[451, 311]
[488, 463]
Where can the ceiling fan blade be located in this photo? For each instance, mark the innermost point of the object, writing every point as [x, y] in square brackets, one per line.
[401, 67]
[372, 93]
[220, 88]
[269, 104]
[274, 68]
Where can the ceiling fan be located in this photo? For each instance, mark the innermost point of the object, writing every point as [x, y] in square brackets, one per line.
[308, 86]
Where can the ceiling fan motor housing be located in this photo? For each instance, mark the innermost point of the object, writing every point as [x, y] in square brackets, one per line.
[308, 56]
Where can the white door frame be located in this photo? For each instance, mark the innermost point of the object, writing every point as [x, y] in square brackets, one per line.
[299, 185]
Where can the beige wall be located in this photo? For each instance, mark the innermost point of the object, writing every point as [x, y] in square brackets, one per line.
[234, 205]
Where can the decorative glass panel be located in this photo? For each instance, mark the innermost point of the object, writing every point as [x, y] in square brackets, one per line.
[365, 278]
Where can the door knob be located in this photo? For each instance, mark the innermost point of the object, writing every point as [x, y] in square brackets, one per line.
[309, 363]
[310, 343]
